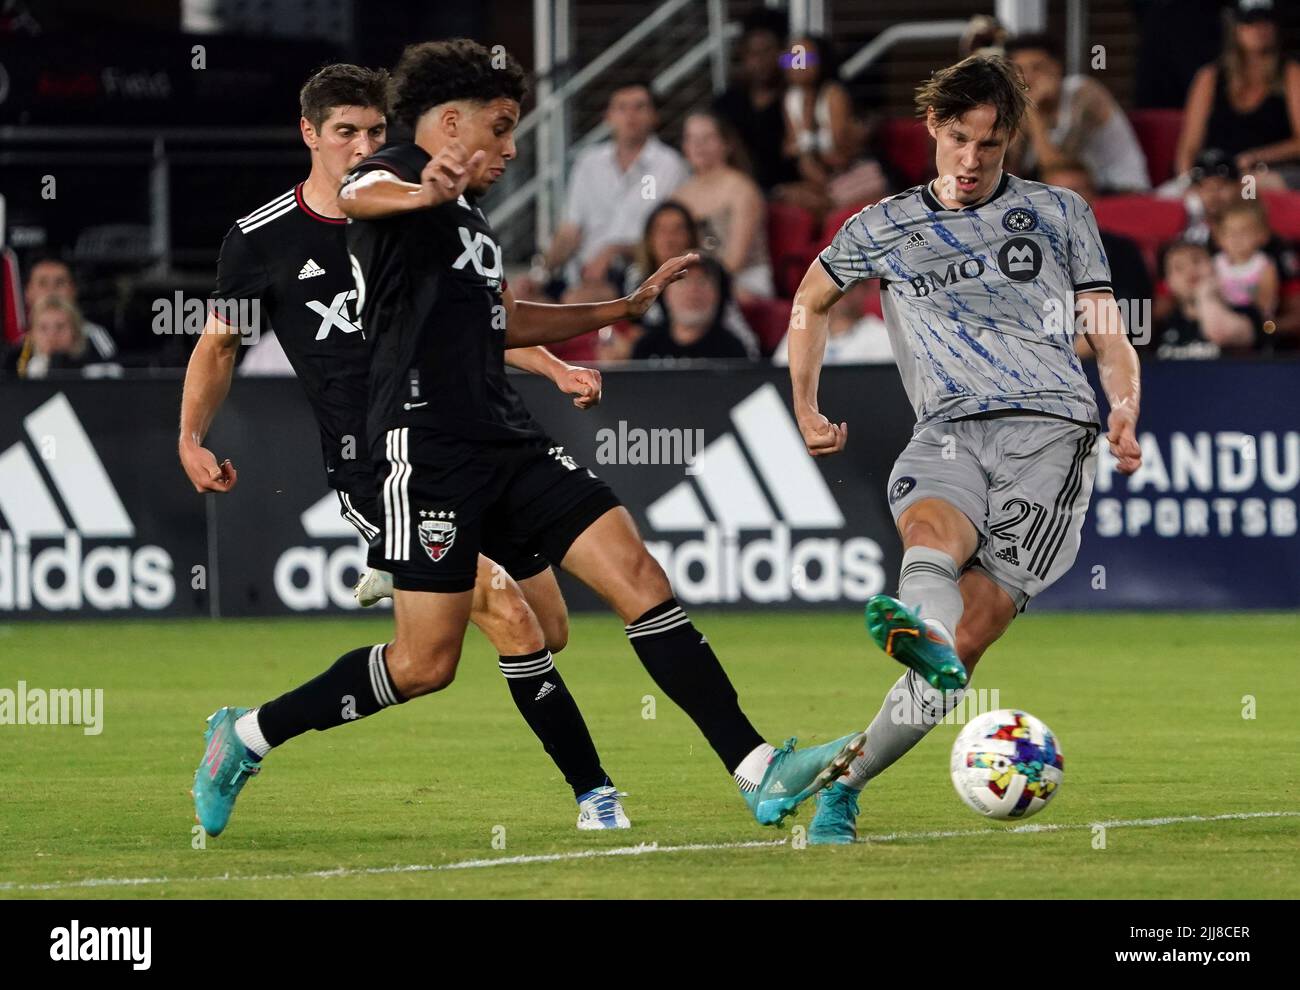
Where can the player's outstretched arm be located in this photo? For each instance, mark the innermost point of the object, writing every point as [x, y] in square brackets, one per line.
[207, 382]
[582, 383]
[530, 323]
[379, 193]
[1119, 371]
[806, 344]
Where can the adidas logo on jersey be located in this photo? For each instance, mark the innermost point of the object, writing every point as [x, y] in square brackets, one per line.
[915, 241]
[1008, 554]
[59, 576]
[732, 523]
[310, 270]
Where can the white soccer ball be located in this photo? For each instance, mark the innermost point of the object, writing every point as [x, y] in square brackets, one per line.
[1006, 764]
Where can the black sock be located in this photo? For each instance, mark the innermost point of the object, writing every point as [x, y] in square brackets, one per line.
[356, 686]
[683, 664]
[553, 715]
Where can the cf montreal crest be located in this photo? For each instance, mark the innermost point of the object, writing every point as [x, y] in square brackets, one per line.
[1019, 220]
[437, 533]
[900, 488]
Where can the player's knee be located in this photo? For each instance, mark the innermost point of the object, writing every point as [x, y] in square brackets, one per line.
[648, 578]
[556, 630]
[419, 669]
[922, 532]
[509, 623]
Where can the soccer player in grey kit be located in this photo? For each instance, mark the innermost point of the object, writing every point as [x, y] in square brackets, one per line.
[986, 277]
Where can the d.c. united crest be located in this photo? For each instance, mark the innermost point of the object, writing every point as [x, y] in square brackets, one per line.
[437, 533]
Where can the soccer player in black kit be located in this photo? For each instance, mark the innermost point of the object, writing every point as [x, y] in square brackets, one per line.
[289, 258]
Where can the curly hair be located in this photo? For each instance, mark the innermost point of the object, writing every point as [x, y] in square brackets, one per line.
[436, 72]
[342, 85]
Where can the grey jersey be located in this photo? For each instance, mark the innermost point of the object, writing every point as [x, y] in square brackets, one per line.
[979, 302]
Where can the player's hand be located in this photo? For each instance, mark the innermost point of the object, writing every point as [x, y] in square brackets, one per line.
[648, 291]
[821, 436]
[583, 384]
[448, 172]
[1123, 440]
[205, 474]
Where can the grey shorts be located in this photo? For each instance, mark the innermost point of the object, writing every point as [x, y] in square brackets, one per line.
[1024, 481]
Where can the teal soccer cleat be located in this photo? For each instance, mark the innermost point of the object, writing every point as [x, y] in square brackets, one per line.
[226, 767]
[793, 776]
[906, 637]
[836, 821]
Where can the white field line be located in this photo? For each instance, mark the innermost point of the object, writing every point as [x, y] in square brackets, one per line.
[638, 850]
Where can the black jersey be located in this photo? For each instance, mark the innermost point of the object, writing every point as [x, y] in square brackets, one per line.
[294, 263]
[430, 292]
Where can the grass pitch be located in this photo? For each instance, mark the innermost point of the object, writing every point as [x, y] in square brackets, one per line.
[451, 796]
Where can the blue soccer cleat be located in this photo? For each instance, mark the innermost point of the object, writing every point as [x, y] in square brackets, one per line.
[836, 821]
[601, 809]
[793, 776]
[226, 767]
[913, 642]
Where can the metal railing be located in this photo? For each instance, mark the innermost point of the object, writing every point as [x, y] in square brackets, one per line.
[548, 121]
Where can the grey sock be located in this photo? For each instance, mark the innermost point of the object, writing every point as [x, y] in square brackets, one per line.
[927, 582]
[911, 709]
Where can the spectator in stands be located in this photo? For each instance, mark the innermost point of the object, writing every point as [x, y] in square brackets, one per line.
[55, 341]
[1202, 323]
[1072, 117]
[1215, 186]
[1129, 276]
[984, 35]
[822, 132]
[753, 106]
[854, 337]
[727, 205]
[50, 278]
[694, 327]
[1247, 103]
[1246, 275]
[612, 189]
[670, 231]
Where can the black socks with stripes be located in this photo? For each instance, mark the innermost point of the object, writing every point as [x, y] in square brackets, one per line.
[550, 711]
[681, 662]
[356, 686]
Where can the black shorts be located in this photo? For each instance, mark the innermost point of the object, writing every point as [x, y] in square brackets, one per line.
[363, 511]
[444, 501]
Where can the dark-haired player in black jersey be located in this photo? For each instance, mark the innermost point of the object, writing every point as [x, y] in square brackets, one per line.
[289, 259]
[461, 459]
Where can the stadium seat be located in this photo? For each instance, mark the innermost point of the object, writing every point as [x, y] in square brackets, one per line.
[1283, 208]
[1146, 219]
[790, 239]
[769, 319]
[1157, 132]
[907, 147]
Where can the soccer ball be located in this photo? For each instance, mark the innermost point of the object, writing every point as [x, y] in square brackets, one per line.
[1006, 764]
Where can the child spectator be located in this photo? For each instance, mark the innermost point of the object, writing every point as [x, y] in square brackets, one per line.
[1247, 276]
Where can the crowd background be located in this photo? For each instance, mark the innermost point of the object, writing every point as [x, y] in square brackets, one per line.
[1191, 162]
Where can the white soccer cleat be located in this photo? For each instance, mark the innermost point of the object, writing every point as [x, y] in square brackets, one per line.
[601, 809]
[373, 586]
